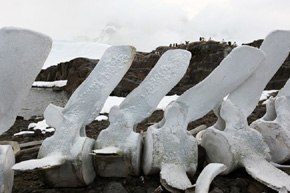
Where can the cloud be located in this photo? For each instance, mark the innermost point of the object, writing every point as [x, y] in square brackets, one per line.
[147, 24]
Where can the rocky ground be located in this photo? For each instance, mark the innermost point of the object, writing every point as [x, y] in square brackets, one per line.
[237, 182]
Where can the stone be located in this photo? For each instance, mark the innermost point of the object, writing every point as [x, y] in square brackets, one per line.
[118, 148]
[114, 187]
[64, 157]
[22, 55]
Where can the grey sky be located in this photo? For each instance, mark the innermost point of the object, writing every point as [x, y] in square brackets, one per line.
[147, 24]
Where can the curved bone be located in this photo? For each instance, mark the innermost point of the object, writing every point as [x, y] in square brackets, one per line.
[198, 100]
[138, 105]
[69, 146]
[7, 160]
[207, 175]
[22, 54]
[241, 146]
[276, 46]
[168, 141]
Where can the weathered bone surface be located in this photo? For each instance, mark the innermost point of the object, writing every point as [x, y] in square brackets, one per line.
[275, 125]
[7, 160]
[168, 143]
[238, 145]
[172, 150]
[231, 141]
[276, 46]
[64, 157]
[22, 55]
[118, 148]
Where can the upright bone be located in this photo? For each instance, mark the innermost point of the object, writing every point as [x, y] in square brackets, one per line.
[276, 46]
[168, 147]
[231, 141]
[22, 55]
[118, 148]
[64, 157]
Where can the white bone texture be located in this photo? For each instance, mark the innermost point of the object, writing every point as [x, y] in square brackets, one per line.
[22, 54]
[168, 142]
[275, 125]
[207, 175]
[276, 46]
[69, 141]
[7, 160]
[231, 141]
[238, 145]
[171, 150]
[137, 106]
[204, 96]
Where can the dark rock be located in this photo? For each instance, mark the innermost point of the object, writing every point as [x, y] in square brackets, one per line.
[206, 56]
[235, 189]
[216, 190]
[140, 190]
[114, 187]
[37, 132]
[57, 88]
[75, 71]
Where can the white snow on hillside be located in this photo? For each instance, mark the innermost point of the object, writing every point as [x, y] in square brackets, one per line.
[63, 51]
[46, 84]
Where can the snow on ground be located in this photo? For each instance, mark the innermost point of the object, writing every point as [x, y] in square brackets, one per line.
[63, 51]
[266, 94]
[41, 125]
[46, 84]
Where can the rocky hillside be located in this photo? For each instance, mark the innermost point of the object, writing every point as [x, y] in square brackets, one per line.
[206, 56]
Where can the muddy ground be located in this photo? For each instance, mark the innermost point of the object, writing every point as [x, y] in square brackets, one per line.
[237, 182]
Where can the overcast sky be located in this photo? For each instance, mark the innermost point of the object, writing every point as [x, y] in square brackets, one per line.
[147, 24]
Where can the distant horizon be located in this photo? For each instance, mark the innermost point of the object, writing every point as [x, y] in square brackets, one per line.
[148, 24]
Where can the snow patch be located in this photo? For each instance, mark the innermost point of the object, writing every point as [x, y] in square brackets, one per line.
[102, 118]
[46, 84]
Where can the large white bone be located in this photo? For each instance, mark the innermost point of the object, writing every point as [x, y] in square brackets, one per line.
[22, 55]
[69, 147]
[207, 175]
[276, 46]
[274, 125]
[118, 148]
[238, 145]
[168, 143]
